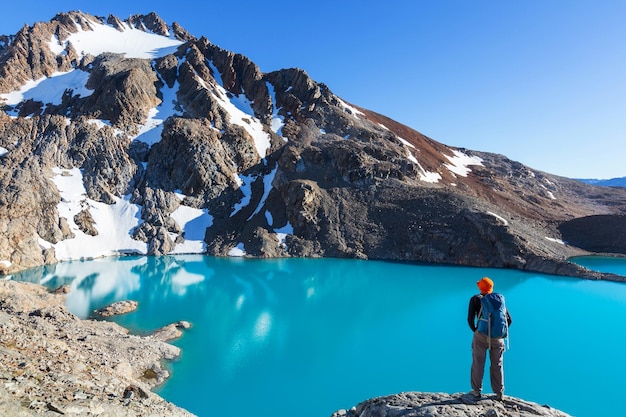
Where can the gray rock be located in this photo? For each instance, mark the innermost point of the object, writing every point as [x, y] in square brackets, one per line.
[420, 404]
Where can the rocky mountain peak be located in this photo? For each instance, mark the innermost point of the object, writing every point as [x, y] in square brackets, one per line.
[172, 144]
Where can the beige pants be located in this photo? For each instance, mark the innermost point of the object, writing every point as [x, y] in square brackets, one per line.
[480, 346]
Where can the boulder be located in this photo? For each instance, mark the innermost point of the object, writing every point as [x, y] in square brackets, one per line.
[422, 404]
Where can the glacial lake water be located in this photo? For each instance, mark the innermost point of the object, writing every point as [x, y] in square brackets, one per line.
[306, 337]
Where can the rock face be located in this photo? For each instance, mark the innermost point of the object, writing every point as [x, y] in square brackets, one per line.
[417, 404]
[52, 363]
[281, 165]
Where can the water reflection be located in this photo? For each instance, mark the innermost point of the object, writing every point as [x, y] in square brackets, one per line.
[323, 334]
[250, 313]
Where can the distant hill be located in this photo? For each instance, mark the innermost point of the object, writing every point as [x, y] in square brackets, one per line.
[613, 182]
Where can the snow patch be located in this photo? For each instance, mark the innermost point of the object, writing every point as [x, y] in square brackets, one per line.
[348, 108]
[278, 121]
[240, 111]
[56, 46]
[194, 223]
[131, 42]
[267, 187]
[411, 158]
[237, 251]
[3, 151]
[245, 185]
[406, 142]
[281, 234]
[502, 219]
[559, 241]
[114, 222]
[5, 263]
[51, 90]
[427, 176]
[99, 123]
[460, 162]
[150, 131]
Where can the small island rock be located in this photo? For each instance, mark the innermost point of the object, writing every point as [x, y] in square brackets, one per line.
[117, 308]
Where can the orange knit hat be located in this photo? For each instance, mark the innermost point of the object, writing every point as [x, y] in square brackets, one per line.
[485, 285]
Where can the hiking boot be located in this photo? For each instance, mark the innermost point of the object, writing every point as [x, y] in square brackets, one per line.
[500, 397]
[475, 393]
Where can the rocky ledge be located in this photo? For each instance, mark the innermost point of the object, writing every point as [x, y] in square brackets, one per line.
[419, 404]
[52, 363]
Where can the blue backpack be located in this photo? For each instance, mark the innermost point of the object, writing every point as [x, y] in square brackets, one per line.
[492, 319]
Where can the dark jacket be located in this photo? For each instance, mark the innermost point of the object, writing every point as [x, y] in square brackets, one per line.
[474, 310]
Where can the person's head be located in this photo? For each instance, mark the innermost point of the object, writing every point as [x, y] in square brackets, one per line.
[485, 285]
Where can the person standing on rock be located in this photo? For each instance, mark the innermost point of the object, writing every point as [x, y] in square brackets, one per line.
[489, 319]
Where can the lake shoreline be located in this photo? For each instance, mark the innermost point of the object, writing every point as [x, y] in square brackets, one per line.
[54, 363]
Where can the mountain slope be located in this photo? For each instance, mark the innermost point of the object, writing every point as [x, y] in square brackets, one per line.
[135, 137]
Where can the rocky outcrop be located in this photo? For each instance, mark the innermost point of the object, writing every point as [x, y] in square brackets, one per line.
[418, 404]
[52, 363]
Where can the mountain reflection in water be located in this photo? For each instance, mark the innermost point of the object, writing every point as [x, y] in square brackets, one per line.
[279, 336]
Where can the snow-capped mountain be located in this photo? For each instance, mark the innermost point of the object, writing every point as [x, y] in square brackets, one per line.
[137, 137]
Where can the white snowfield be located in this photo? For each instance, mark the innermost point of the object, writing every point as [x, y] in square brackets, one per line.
[131, 42]
[460, 162]
[115, 223]
[51, 90]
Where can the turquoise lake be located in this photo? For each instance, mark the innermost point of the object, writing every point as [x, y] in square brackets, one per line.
[309, 336]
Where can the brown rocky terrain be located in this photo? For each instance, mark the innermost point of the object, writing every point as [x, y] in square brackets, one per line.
[52, 363]
[345, 181]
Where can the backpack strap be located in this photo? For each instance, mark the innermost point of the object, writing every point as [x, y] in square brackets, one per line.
[488, 320]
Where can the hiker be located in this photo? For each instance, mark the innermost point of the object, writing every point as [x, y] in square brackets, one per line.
[489, 319]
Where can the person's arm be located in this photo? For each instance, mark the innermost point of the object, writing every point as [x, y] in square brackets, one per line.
[509, 320]
[472, 312]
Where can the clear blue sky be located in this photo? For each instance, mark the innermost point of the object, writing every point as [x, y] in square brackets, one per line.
[540, 81]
